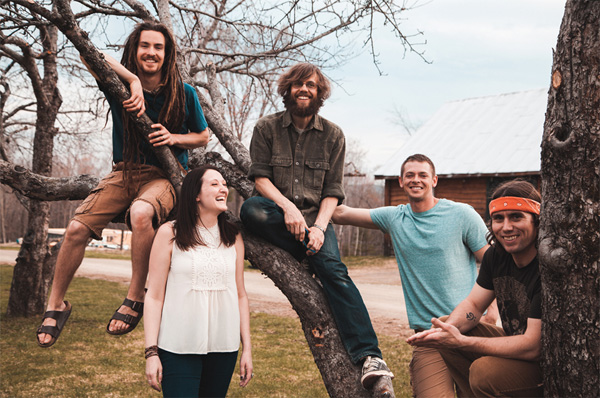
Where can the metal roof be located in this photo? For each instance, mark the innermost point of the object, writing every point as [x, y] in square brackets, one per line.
[493, 135]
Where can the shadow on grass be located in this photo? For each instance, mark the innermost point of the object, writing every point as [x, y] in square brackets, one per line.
[87, 362]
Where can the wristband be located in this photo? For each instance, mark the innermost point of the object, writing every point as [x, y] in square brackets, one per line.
[319, 227]
[151, 351]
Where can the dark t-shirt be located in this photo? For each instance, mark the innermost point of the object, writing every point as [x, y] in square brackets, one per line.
[194, 121]
[518, 290]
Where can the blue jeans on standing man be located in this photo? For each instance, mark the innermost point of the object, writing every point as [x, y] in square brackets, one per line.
[264, 218]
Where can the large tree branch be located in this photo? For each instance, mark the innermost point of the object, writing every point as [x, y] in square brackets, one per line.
[221, 128]
[36, 186]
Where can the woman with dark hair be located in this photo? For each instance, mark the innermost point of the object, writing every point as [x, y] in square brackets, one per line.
[196, 305]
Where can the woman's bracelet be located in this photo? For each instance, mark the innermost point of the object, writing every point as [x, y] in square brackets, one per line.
[151, 351]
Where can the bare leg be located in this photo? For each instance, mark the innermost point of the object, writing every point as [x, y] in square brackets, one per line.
[69, 259]
[141, 215]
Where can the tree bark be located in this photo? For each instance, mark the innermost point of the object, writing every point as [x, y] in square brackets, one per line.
[236, 178]
[41, 187]
[569, 239]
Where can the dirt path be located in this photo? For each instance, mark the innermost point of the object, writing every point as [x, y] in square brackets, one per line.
[380, 287]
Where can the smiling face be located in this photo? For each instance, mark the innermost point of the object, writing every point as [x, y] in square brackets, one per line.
[517, 233]
[150, 52]
[418, 181]
[213, 194]
[304, 97]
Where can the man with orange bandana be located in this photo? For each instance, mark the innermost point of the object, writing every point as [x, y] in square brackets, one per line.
[485, 360]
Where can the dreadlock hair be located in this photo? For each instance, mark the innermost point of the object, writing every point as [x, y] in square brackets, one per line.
[173, 111]
[518, 188]
[188, 214]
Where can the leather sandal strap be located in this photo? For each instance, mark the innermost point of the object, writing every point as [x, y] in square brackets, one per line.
[127, 318]
[51, 330]
[60, 317]
[137, 306]
[53, 314]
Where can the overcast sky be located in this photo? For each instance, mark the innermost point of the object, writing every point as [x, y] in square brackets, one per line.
[476, 48]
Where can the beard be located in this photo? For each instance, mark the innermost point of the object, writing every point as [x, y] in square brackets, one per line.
[291, 105]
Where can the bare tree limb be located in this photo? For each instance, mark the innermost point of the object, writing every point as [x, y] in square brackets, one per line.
[39, 187]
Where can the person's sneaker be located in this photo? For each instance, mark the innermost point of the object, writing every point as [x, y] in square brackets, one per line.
[372, 369]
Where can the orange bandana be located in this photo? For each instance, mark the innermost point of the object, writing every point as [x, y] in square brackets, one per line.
[514, 203]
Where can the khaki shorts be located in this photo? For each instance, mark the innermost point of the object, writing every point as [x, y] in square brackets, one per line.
[111, 198]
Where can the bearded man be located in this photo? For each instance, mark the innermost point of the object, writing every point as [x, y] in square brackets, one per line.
[297, 167]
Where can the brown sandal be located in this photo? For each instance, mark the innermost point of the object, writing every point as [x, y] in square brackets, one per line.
[130, 320]
[54, 331]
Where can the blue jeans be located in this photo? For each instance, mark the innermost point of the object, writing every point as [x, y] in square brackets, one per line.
[264, 218]
[196, 375]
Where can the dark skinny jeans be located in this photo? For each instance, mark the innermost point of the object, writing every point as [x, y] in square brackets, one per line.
[197, 375]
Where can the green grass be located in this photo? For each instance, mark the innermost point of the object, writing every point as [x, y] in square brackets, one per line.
[87, 362]
[8, 246]
[366, 261]
[109, 254]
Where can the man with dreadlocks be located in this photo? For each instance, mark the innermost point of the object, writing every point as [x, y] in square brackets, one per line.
[137, 185]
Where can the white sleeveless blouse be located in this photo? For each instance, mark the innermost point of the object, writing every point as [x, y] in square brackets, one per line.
[201, 313]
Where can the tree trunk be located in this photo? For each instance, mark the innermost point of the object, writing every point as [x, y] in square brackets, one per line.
[569, 248]
[29, 289]
[30, 283]
[2, 214]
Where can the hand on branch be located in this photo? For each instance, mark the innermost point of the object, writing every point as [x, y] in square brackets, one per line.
[162, 136]
[136, 101]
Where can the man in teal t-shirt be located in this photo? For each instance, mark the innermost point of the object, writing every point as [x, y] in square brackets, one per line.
[436, 242]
